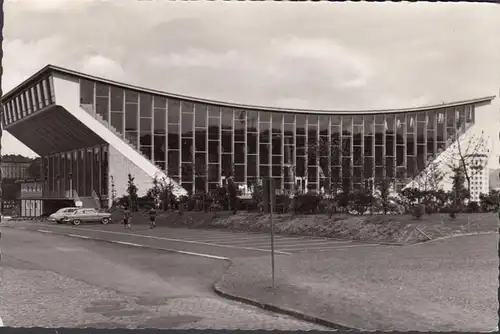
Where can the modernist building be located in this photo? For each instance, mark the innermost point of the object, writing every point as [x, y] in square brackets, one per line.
[92, 131]
[14, 170]
[480, 177]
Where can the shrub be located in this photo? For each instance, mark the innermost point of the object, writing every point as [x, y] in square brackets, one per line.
[473, 207]
[307, 203]
[251, 205]
[418, 211]
[282, 203]
[452, 212]
[145, 202]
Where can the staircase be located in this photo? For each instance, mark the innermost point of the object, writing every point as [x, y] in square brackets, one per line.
[461, 132]
[177, 189]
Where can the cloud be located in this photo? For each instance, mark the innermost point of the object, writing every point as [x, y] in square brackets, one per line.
[314, 55]
[102, 66]
[24, 58]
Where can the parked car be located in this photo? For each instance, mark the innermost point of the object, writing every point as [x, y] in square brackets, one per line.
[87, 216]
[61, 213]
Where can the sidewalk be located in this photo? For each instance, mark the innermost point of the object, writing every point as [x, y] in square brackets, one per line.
[449, 285]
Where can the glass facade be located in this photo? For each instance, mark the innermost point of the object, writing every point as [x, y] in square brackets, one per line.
[84, 171]
[200, 144]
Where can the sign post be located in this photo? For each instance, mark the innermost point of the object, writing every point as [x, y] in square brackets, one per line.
[269, 201]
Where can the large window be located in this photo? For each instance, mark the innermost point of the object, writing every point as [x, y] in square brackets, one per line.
[199, 144]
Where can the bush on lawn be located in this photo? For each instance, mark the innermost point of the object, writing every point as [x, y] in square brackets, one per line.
[282, 203]
[220, 197]
[473, 207]
[418, 211]
[307, 203]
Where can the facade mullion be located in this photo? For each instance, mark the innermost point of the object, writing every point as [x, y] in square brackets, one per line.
[167, 172]
[152, 129]
[207, 158]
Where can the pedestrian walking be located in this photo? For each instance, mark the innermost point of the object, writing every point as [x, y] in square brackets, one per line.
[127, 218]
[152, 218]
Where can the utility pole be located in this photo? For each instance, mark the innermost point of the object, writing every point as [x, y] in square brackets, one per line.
[268, 201]
[271, 209]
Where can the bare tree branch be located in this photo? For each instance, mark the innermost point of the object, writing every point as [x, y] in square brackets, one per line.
[469, 153]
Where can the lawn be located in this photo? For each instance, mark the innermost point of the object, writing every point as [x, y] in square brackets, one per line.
[392, 229]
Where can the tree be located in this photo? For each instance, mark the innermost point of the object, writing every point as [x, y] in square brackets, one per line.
[361, 201]
[232, 194]
[384, 194]
[490, 202]
[459, 191]
[163, 188]
[426, 175]
[257, 195]
[132, 193]
[411, 197]
[468, 155]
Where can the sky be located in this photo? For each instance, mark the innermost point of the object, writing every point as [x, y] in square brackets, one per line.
[300, 55]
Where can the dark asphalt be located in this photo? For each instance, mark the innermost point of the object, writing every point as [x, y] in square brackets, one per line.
[51, 281]
[209, 242]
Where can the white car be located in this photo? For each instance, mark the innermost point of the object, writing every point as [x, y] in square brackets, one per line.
[61, 213]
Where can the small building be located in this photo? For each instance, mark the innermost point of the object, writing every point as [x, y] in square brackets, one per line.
[30, 198]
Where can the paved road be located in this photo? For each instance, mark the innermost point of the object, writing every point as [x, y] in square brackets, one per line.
[210, 242]
[50, 280]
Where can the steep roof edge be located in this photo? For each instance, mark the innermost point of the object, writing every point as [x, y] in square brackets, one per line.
[49, 69]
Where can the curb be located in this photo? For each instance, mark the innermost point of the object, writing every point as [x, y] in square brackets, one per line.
[276, 309]
[453, 237]
[218, 291]
[281, 310]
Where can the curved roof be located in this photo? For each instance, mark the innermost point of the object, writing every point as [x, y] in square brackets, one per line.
[49, 69]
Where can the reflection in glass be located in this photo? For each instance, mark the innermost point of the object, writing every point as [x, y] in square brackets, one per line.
[117, 99]
[349, 150]
[174, 112]
[86, 91]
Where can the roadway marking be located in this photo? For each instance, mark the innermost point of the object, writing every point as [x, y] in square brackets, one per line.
[215, 257]
[176, 240]
[78, 236]
[21, 228]
[127, 243]
[327, 248]
[44, 231]
[254, 241]
[209, 256]
[294, 243]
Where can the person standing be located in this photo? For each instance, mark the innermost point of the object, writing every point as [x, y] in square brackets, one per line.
[152, 217]
[127, 218]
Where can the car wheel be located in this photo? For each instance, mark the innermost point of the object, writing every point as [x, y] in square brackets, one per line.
[105, 221]
[76, 222]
